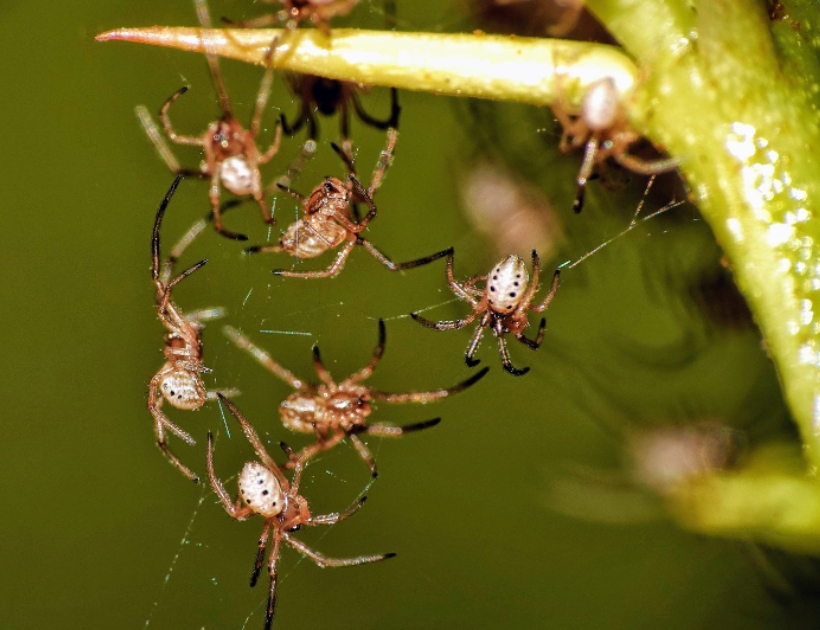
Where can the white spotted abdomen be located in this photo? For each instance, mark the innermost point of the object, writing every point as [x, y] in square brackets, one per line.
[507, 284]
[260, 489]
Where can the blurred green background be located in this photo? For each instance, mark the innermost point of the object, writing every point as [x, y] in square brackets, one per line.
[516, 511]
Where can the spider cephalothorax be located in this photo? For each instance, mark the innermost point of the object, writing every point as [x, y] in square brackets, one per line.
[502, 305]
[335, 411]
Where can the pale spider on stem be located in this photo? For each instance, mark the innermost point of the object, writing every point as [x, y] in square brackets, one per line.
[179, 382]
[334, 411]
[232, 158]
[502, 305]
[329, 222]
[266, 492]
[602, 126]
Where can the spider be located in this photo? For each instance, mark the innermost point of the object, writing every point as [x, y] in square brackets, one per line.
[328, 96]
[232, 158]
[502, 305]
[296, 11]
[602, 126]
[265, 491]
[179, 381]
[328, 222]
[335, 411]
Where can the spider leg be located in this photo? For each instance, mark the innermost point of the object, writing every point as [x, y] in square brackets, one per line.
[262, 98]
[365, 196]
[534, 345]
[155, 401]
[391, 430]
[346, 157]
[445, 325]
[294, 169]
[383, 259]
[321, 444]
[476, 339]
[425, 397]
[155, 252]
[505, 357]
[181, 245]
[540, 308]
[585, 173]
[391, 121]
[216, 210]
[455, 286]
[204, 16]
[253, 438]
[153, 133]
[335, 517]
[273, 149]
[324, 561]
[259, 22]
[385, 159]
[364, 453]
[367, 370]
[324, 375]
[330, 272]
[169, 128]
[161, 422]
[235, 509]
[344, 123]
[272, 560]
[262, 357]
[647, 167]
[260, 554]
[205, 314]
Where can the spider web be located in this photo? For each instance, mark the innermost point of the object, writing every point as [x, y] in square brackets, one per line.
[294, 325]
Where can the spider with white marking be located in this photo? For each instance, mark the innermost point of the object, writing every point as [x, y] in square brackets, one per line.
[328, 222]
[179, 382]
[602, 126]
[335, 411]
[232, 158]
[266, 492]
[502, 305]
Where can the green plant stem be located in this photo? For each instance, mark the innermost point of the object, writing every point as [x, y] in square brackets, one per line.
[526, 70]
[748, 143]
[777, 509]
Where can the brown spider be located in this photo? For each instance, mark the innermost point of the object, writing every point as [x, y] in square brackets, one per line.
[266, 491]
[296, 11]
[335, 411]
[232, 158]
[179, 382]
[502, 305]
[328, 96]
[602, 126]
[328, 222]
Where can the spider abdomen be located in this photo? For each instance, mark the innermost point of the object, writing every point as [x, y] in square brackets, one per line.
[183, 389]
[238, 176]
[507, 284]
[312, 236]
[261, 490]
[301, 411]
